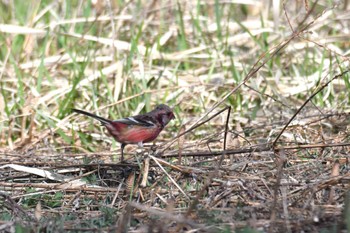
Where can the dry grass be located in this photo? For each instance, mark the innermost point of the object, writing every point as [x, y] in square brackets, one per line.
[277, 162]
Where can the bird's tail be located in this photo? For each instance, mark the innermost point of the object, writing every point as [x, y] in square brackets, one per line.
[101, 119]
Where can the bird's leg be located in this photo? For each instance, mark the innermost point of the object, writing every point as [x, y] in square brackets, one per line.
[140, 144]
[139, 150]
[122, 149]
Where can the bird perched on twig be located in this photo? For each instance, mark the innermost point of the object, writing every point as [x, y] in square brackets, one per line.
[136, 129]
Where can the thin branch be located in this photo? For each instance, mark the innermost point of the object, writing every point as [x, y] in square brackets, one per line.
[304, 104]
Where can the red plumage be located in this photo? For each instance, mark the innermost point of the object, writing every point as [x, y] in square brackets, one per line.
[136, 129]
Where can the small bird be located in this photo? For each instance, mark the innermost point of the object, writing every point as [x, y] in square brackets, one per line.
[136, 129]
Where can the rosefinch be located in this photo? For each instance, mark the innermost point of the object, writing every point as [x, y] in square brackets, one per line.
[136, 129]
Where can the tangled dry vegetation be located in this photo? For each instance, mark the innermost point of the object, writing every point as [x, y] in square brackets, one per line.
[260, 143]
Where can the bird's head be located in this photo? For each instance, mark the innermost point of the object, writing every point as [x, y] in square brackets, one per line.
[164, 114]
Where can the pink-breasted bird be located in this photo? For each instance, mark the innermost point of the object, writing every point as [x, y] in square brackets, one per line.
[136, 129]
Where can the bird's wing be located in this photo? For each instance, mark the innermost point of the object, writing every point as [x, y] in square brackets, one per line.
[140, 120]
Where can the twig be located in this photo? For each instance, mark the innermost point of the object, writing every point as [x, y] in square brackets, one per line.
[190, 129]
[211, 175]
[10, 204]
[252, 149]
[55, 185]
[116, 194]
[304, 104]
[145, 172]
[280, 160]
[226, 126]
[172, 180]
